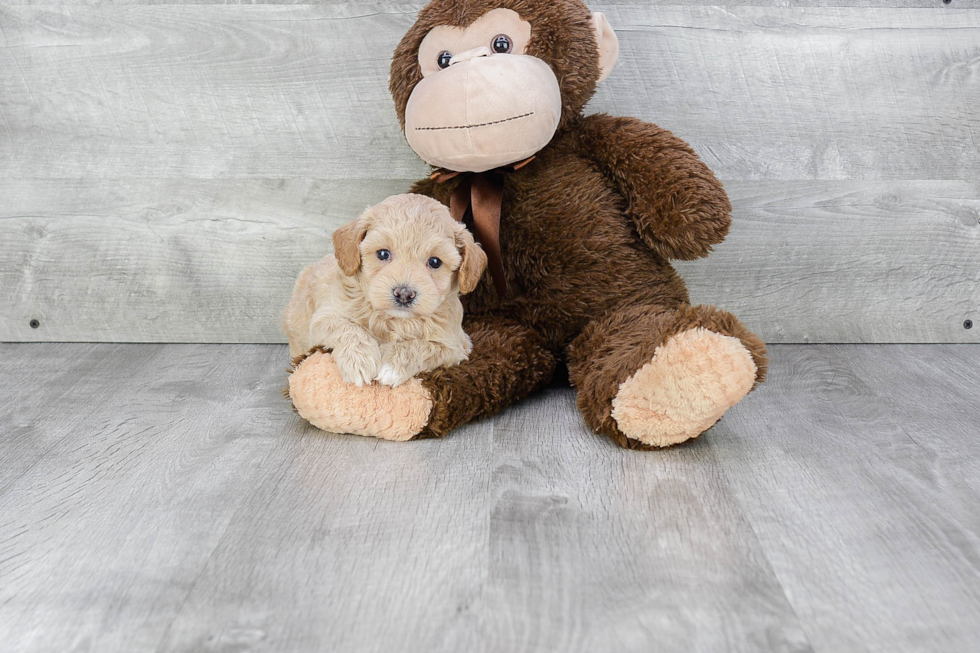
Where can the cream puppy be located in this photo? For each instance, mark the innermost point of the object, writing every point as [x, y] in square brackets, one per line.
[387, 300]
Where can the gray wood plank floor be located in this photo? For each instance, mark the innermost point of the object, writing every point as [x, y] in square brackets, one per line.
[165, 498]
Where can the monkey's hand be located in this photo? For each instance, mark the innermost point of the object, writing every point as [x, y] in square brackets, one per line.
[680, 209]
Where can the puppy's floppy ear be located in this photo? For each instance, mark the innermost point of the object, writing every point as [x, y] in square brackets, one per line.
[474, 260]
[347, 243]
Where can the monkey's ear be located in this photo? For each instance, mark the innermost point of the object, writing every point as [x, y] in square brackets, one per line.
[605, 37]
[474, 261]
[347, 244]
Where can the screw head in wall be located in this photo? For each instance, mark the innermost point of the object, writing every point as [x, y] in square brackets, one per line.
[35, 324]
[968, 324]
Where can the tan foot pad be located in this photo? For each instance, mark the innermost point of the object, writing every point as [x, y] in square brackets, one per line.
[327, 402]
[691, 381]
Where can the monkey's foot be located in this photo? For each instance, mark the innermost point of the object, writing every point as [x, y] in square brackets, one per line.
[691, 381]
[326, 401]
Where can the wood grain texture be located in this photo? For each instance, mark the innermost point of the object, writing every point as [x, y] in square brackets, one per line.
[196, 260]
[102, 537]
[415, 6]
[27, 434]
[201, 91]
[594, 548]
[175, 503]
[352, 544]
[215, 260]
[300, 91]
[806, 93]
[848, 261]
[167, 170]
[863, 493]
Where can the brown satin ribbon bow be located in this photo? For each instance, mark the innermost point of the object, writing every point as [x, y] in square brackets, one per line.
[482, 193]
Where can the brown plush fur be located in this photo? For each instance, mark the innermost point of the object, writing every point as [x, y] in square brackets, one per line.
[609, 351]
[508, 362]
[587, 232]
[586, 260]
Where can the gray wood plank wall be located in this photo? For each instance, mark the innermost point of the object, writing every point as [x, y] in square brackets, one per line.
[166, 169]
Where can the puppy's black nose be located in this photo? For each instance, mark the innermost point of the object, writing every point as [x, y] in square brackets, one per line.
[403, 295]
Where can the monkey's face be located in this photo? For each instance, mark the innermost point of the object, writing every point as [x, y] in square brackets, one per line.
[482, 102]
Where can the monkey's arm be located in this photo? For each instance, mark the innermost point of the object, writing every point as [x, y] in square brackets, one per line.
[680, 209]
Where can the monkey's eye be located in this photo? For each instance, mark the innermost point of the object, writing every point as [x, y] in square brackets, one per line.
[501, 44]
[434, 263]
[383, 254]
[444, 57]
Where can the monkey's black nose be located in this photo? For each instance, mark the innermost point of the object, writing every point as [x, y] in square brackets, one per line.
[403, 295]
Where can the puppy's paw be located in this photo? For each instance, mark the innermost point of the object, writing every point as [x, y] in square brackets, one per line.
[389, 375]
[358, 365]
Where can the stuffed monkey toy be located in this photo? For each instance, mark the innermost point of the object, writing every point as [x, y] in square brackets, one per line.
[580, 217]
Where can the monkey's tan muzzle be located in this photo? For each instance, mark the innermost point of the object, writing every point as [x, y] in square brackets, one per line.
[483, 112]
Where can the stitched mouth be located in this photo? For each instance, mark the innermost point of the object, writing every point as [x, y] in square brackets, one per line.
[481, 124]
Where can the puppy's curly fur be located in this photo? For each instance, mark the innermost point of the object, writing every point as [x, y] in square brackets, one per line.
[387, 301]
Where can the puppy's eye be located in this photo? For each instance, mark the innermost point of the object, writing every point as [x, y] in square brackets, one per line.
[434, 263]
[443, 58]
[501, 44]
[383, 254]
